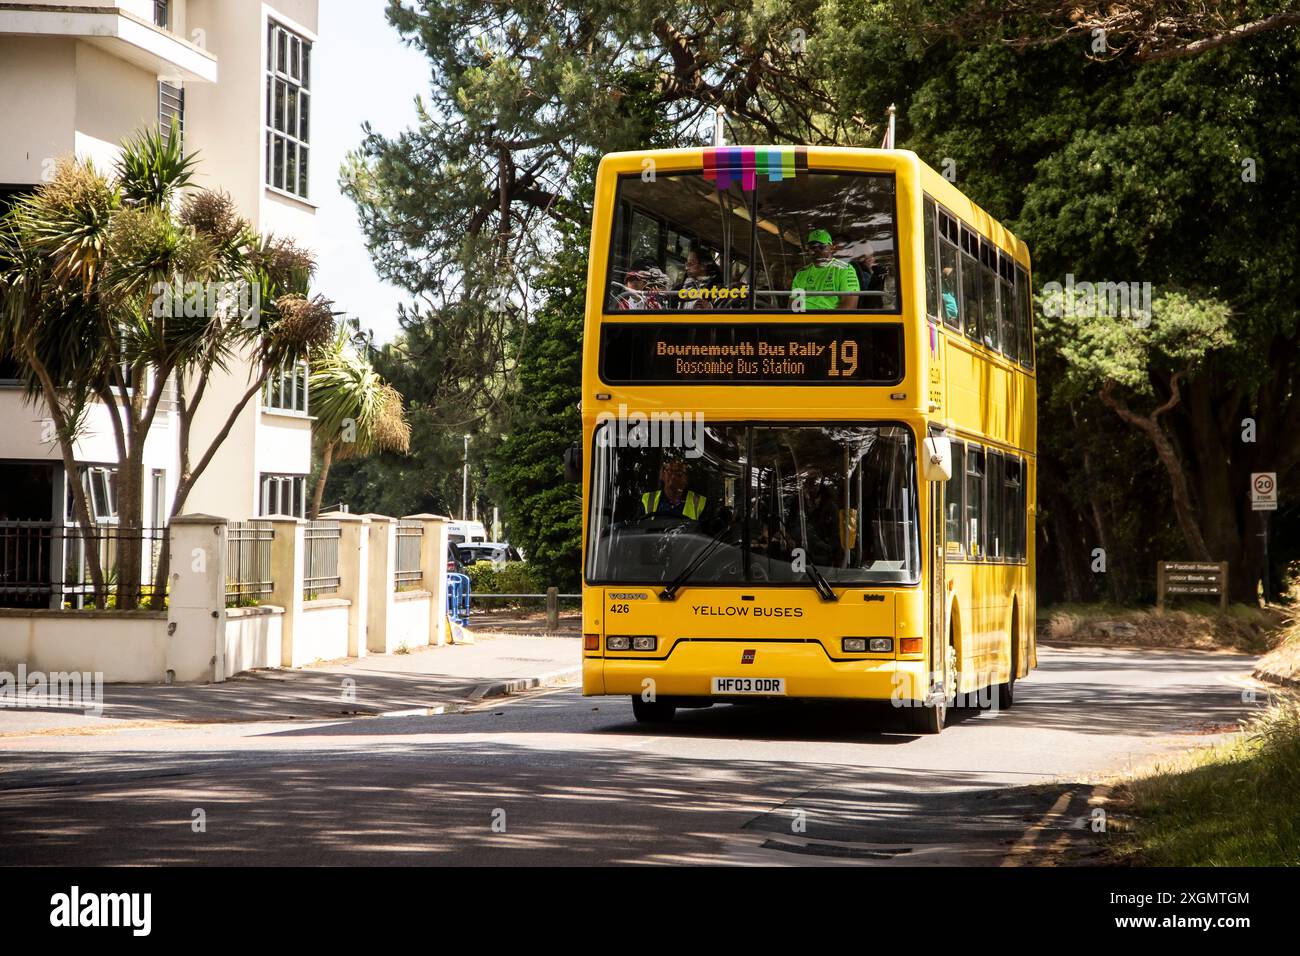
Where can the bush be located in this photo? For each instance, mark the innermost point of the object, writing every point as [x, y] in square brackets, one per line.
[516, 577]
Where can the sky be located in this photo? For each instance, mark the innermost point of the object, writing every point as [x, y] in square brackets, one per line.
[362, 71]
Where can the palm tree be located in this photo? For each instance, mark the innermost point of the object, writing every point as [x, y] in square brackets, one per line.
[357, 413]
[85, 263]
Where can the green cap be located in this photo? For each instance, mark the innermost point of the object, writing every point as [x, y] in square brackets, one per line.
[820, 235]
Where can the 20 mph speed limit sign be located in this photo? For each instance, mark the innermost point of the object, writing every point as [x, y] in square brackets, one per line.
[1263, 491]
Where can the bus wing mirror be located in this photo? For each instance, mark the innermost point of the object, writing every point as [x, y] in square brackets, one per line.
[573, 462]
[938, 459]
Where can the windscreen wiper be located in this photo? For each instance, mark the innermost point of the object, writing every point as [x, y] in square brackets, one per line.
[819, 581]
[670, 592]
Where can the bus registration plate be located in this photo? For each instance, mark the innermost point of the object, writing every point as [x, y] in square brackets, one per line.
[763, 686]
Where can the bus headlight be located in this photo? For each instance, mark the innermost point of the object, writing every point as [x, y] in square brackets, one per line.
[644, 642]
[618, 642]
[861, 645]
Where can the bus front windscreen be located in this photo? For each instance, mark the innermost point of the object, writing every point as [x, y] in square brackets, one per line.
[745, 504]
[814, 241]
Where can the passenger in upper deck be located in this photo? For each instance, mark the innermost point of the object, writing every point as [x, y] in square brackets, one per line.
[826, 274]
[646, 284]
[702, 273]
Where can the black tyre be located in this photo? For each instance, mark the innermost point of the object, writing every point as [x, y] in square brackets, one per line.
[925, 718]
[652, 711]
[1007, 691]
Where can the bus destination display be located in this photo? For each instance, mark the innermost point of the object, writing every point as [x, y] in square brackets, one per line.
[751, 354]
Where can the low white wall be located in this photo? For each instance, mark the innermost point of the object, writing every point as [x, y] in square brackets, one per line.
[125, 646]
[253, 636]
[321, 634]
[409, 622]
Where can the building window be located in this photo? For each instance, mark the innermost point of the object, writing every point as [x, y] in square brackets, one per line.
[171, 111]
[100, 484]
[162, 10]
[283, 495]
[286, 388]
[288, 109]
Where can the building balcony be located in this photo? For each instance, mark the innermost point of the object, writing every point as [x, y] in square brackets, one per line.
[115, 28]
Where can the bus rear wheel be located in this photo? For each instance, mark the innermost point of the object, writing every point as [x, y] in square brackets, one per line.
[1007, 691]
[652, 711]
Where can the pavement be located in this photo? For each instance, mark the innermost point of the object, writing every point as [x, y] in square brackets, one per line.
[424, 679]
[552, 777]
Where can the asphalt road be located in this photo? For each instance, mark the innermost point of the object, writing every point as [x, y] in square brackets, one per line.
[556, 778]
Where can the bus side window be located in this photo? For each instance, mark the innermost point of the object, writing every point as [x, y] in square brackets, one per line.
[1025, 318]
[989, 296]
[949, 276]
[955, 501]
[994, 541]
[931, 261]
[970, 284]
[1013, 507]
[1006, 298]
[974, 500]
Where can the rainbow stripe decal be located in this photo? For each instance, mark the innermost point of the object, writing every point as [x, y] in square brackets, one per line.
[726, 165]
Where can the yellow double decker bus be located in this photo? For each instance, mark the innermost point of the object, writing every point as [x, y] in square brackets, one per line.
[808, 412]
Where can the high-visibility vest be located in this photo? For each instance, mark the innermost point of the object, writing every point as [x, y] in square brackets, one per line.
[691, 509]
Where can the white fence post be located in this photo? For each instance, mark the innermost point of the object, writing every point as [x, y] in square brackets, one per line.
[287, 558]
[354, 575]
[196, 599]
[383, 565]
[433, 568]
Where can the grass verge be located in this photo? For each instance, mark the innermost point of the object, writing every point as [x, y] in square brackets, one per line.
[1196, 626]
[1232, 804]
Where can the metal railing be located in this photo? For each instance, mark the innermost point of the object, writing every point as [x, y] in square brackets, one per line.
[248, 561]
[410, 535]
[320, 558]
[45, 564]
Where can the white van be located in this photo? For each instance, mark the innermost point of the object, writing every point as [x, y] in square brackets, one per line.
[466, 532]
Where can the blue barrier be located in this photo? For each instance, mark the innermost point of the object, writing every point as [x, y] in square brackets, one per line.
[458, 597]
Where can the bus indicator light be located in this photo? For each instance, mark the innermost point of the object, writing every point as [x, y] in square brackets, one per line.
[909, 645]
[591, 642]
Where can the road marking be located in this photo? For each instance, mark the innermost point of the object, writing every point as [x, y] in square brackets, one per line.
[1022, 848]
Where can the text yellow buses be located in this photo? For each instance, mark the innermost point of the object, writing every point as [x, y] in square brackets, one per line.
[809, 432]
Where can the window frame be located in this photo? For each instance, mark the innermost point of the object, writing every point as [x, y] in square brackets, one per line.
[282, 143]
[284, 487]
[298, 389]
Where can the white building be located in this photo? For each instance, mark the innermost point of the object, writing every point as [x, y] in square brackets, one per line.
[78, 78]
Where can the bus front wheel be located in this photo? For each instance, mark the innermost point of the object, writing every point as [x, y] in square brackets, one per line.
[924, 718]
[652, 711]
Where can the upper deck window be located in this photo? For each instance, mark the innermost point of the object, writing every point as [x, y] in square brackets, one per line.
[824, 242]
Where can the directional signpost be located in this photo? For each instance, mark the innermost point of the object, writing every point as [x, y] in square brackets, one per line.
[1203, 579]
